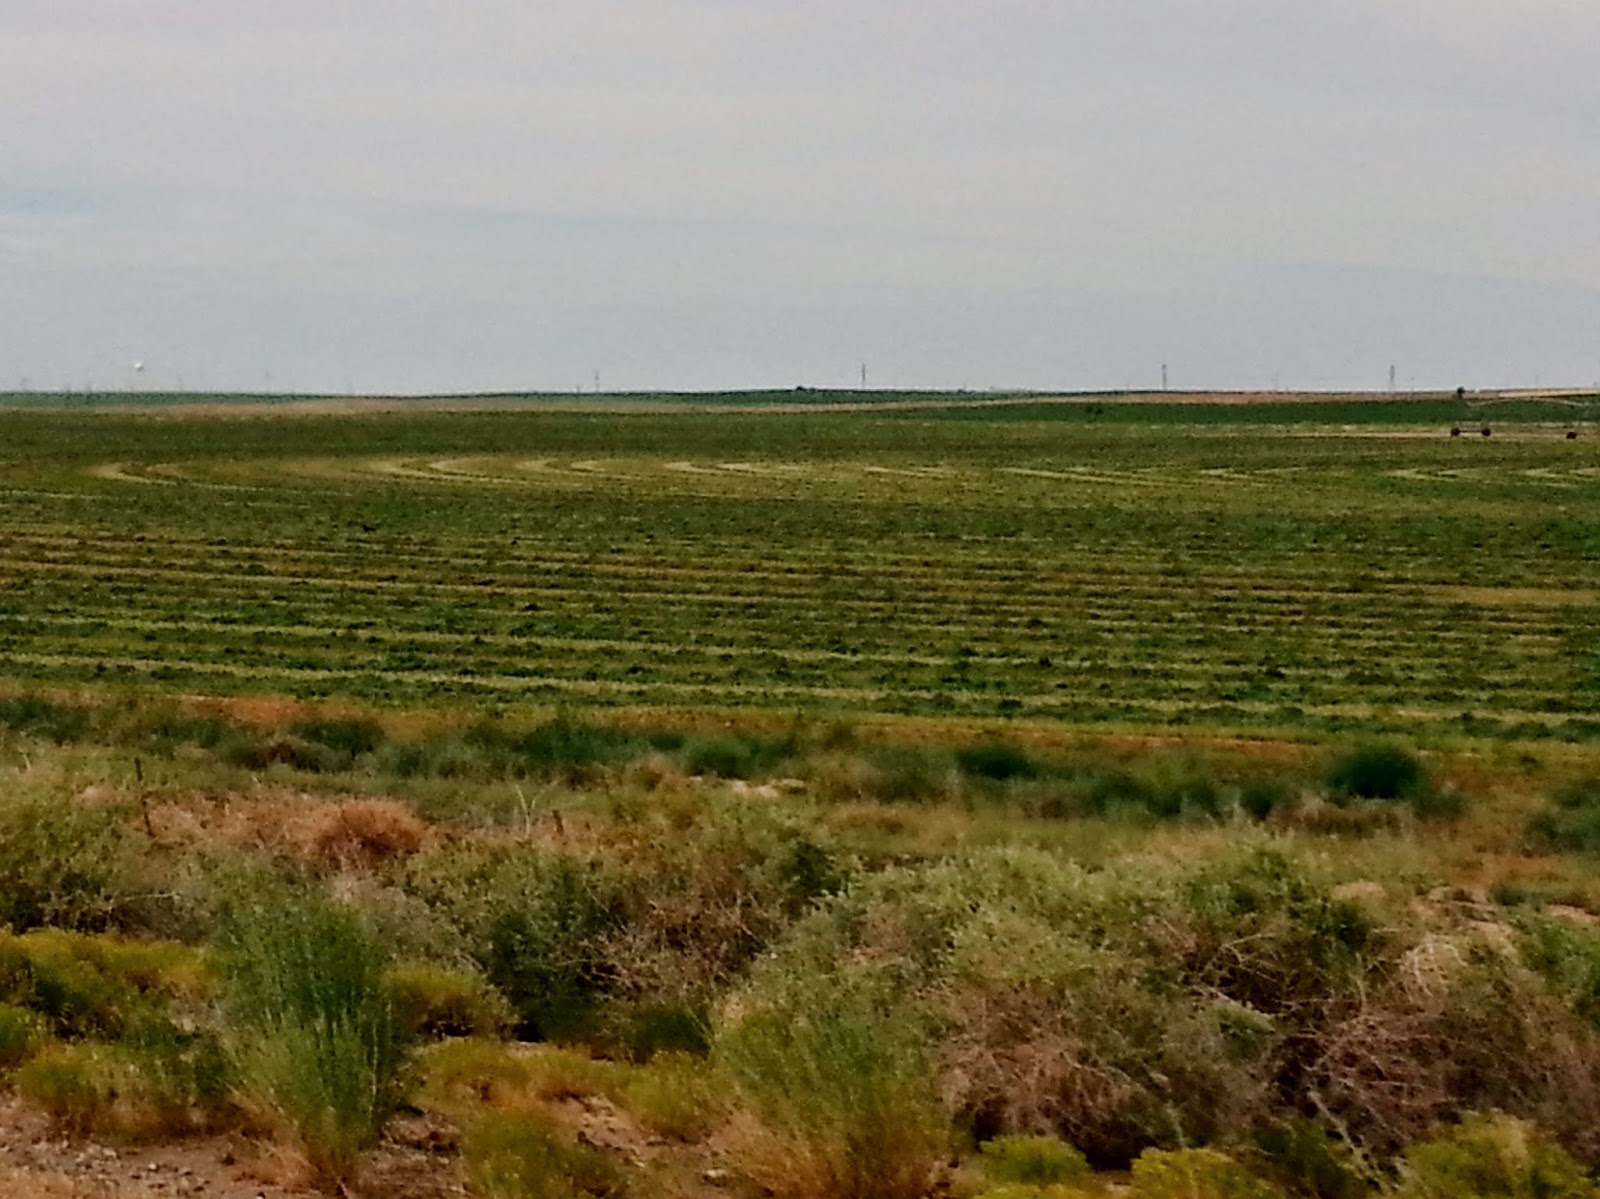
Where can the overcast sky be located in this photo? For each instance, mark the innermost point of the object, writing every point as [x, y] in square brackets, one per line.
[391, 195]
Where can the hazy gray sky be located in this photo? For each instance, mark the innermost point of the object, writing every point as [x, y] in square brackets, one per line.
[463, 194]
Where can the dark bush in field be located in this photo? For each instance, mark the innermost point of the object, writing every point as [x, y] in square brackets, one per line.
[998, 761]
[666, 1028]
[1572, 822]
[738, 755]
[1161, 790]
[40, 716]
[565, 748]
[350, 737]
[163, 726]
[1307, 1158]
[1259, 798]
[1378, 771]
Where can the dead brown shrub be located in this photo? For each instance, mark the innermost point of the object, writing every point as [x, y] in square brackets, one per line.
[1462, 1027]
[359, 833]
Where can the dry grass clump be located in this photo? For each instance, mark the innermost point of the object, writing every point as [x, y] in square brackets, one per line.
[359, 833]
[363, 834]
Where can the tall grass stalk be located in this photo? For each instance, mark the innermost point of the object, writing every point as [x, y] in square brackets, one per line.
[844, 1096]
[320, 1052]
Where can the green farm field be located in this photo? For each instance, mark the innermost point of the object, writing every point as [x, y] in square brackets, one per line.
[1281, 568]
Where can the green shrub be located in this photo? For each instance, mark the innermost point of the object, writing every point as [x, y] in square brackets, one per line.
[75, 1085]
[676, 1095]
[565, 745]
[253, 752]
[98, 985]
[1259, 798]
[1301, 1155]
[1439, 803]
[162, 1083]
[21, 1031]
[312, 1027]
[843, 1090]
[459, 1076]
[1492, 1157]
[1053, 1005]
[1032, 1161]
[173, 1080]
[443, 1001]
[1117, 793]
[1196, 1174]
[1573, 820]
[536, 924]
[1378, 771]
[522, 1155]
[1271, 939]
[1568, 956]
[63, 864]
[162, 726]
[908, 774]
[666, 1028]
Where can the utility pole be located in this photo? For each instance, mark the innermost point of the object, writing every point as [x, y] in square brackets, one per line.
[863, 376]
[1391, 378]
[1163, 376]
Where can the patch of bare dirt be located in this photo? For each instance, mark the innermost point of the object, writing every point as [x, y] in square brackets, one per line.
[37, 1163]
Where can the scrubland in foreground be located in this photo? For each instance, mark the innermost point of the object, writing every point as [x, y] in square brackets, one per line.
[595, 956]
